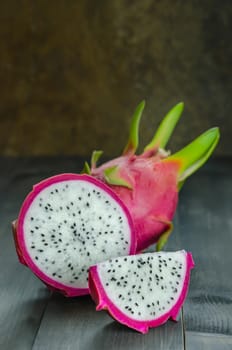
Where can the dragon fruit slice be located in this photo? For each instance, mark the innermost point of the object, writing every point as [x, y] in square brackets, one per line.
[67, 223]
[144, 290]
[149, 183]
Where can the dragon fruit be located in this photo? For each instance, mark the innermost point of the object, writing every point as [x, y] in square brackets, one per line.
[67, 223]
[144, 290]
[149, 183]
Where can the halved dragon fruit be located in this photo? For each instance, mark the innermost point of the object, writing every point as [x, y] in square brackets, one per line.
[67, 223]
[144, 290]
[149, 183]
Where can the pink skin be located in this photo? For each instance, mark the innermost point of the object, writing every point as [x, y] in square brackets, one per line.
[103, 301]
[18, 230]
[152, 201]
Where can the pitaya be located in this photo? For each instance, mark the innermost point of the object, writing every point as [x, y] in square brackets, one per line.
[148, 184]
[67, 223]
[144, 290]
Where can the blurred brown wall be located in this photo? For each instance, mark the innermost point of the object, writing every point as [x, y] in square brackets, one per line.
[72, 72]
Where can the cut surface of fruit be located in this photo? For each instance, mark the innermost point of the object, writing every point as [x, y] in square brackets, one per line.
[142, 291]
[67, 223]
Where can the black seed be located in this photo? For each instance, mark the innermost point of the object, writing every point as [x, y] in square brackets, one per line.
[58, 251]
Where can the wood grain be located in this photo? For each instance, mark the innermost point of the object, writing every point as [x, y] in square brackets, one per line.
[22, 296]
[206, 227]
[208, 341]
[74, 324]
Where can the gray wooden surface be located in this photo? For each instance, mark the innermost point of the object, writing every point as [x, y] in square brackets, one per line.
[33, 318]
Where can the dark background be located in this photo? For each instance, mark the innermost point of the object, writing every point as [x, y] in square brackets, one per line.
[72, 72]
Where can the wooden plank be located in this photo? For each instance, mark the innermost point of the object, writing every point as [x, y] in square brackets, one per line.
[206, 226]
[73, 324]
[208, 341]
[22, 296]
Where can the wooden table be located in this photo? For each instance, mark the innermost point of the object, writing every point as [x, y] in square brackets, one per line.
[31, 317]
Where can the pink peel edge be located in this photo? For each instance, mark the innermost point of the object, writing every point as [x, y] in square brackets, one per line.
[21, 249]
[103, 302]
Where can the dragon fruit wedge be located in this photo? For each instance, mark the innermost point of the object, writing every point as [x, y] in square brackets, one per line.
[67, 223]
[144, 290]
[148, 183]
